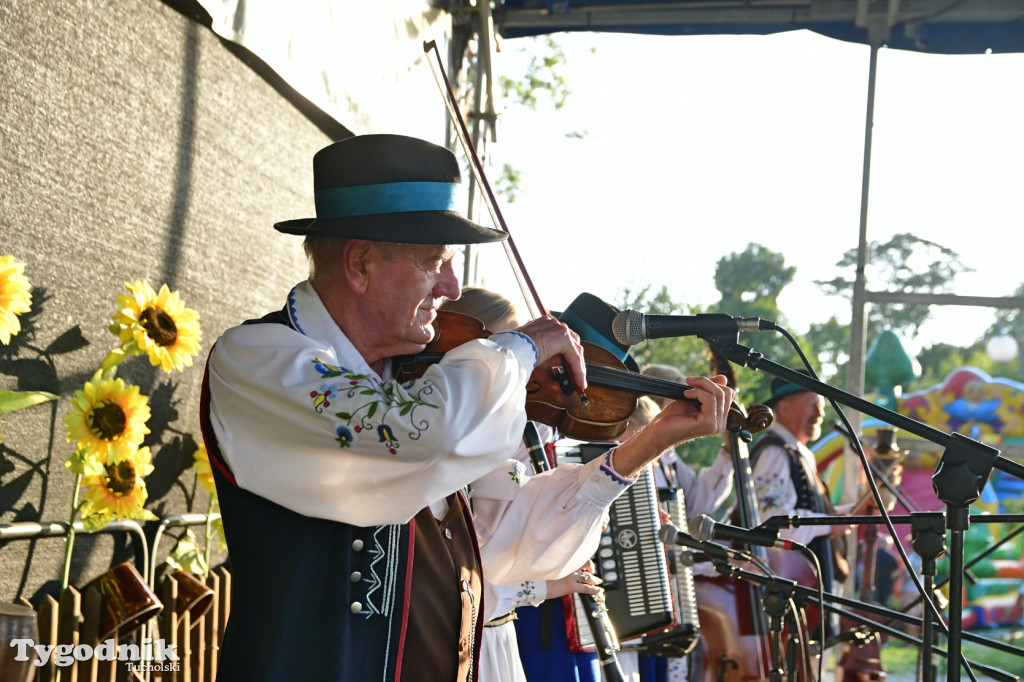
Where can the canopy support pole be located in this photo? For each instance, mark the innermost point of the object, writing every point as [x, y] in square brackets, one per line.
[858, 322]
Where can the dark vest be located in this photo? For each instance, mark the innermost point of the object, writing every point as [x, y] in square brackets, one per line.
[313, 599]
[808, 495]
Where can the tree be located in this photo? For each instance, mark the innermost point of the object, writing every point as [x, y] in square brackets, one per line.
[750, 283]
[831, 343]
[904, 264]
[687, 354]
[542, 80]
[543, 75]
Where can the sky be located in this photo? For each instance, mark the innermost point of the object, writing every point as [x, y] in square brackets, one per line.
[697, 146]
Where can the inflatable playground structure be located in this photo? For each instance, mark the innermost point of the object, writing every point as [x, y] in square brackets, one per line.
[988, 409]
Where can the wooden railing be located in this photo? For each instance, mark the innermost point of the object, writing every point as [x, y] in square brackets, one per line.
[77, 620]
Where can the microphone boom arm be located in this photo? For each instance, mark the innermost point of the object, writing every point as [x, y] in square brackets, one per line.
[960, 475]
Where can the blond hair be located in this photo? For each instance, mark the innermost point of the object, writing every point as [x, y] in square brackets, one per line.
[664, 372]
[496, 312]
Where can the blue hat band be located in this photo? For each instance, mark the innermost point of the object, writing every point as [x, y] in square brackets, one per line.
[390, 197]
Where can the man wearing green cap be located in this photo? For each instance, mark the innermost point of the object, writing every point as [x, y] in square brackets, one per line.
[354, 553]
[786, 479]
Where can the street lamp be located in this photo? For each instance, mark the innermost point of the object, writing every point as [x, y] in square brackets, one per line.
[1002, 348]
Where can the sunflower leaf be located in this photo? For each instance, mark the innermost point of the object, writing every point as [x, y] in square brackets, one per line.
[92, 522]
[82, 463]
[10, 401]
[186, 555]
[113, 359]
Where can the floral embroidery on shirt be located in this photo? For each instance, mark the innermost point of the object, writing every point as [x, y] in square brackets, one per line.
[526, 594]
[772, 492]
[387, 436]
[380, 401]
[515, 475]
[324, 396]
[346, 438]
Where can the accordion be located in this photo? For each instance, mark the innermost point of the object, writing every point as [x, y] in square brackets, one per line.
[630, 561]
[680, 639]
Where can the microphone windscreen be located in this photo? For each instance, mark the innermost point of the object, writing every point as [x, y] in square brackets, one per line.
[628, 327]
[667, 534]
[703, 528]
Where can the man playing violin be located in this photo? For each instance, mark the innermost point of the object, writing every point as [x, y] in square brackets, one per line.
[353, 551]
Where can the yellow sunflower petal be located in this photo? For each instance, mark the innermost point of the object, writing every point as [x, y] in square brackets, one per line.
[204, 473]
[108, 419]
[15, 297]
[121, 490]
[159, 325]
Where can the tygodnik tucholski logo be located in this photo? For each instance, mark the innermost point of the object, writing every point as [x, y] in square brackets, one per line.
[150, 655]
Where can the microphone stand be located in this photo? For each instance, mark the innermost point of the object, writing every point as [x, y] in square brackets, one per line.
[929, 540]
[961, 473]
[848, 608]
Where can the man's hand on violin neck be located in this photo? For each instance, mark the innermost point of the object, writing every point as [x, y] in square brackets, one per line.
[554, 339]
[705, 413]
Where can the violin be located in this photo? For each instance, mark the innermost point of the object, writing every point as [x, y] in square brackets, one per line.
[551, 397]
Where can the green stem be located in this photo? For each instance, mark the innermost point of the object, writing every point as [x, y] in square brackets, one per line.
[69, 541]
[113, 359]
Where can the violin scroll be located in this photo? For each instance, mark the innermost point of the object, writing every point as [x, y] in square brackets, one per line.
[758, 418]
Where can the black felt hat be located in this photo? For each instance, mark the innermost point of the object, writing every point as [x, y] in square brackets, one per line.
[591, 318]
[388, 188]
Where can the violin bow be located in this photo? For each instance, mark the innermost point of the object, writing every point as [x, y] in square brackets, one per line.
[477, 168]
[537, 308]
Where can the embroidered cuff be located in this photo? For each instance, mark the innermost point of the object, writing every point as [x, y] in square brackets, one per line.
[531, 593]
[600, 482]
[521, 345]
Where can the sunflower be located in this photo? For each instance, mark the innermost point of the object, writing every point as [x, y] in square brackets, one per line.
[203, 471]
[108, 419]
[119, 491]
[157, 324]
[15, 297]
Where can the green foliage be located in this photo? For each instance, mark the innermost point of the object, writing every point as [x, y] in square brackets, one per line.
[12, 401]
[543, 75]
[904, 264]
[1009, 321]
[831, 343]
[750, 282]
[687, 354]
[937, 362]
[509, 183]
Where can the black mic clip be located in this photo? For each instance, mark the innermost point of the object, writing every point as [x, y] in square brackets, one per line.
[777, 522]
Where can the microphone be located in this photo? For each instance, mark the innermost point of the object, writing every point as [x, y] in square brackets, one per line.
[705, 528]
[670, 535]
[631, 327]
[690, 558]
